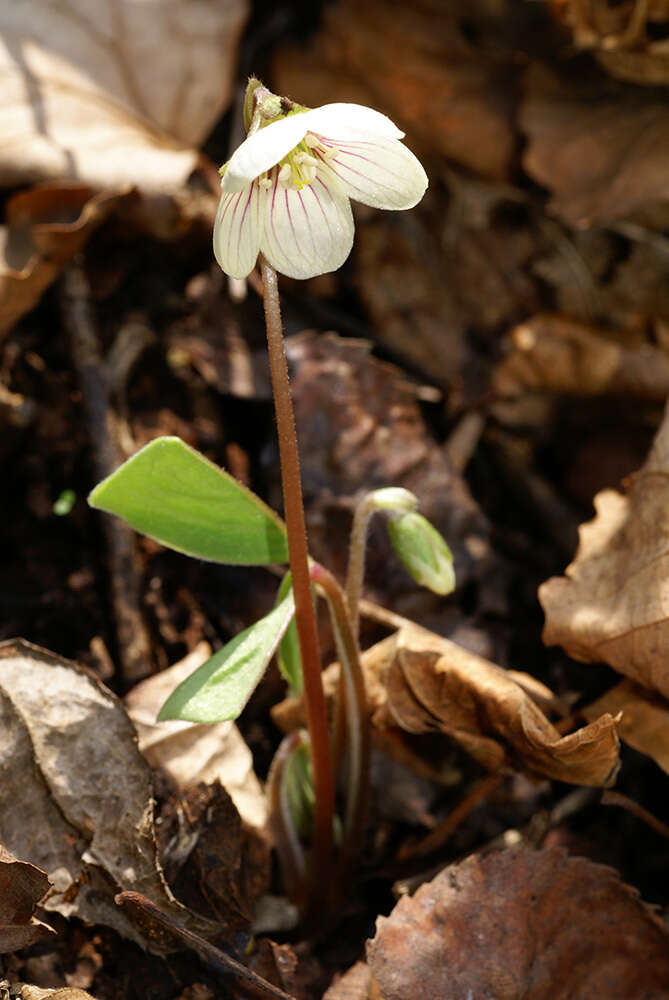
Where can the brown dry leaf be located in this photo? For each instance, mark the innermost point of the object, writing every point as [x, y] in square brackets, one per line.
[193, 753]
[66, 993]
[215, 864]
[356, 984]
[533, 924]
[21, 887]
[612, 605]
[276, 963]
[113, 94]
[75, 793]
[425, 288]
[413, 306]
[645, 719]
[603, 155]
[360, 427]
[417, 65]
[418, 682]
[45, 226]
[557, 354]
[589, 278]
[430, 684]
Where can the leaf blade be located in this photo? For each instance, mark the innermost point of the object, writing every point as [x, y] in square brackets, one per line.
[220, 688]
[171, 493]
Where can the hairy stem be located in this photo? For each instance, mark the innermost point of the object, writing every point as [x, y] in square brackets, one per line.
[356, 559]
[305, 618]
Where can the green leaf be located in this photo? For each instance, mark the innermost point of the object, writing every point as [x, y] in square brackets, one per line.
[170, 492]
[288, 656]
[220, 688]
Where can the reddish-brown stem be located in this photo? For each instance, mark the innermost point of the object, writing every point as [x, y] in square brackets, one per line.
[319, 740]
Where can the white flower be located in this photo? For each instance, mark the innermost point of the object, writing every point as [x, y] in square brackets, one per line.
[286, 189]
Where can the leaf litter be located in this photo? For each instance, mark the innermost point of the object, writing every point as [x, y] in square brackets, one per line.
[572, 278]
[70, 759]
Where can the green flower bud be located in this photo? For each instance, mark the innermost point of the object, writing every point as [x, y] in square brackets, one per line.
[424, 553]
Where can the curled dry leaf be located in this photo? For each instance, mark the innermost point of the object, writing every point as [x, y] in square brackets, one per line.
[193, 753]
[21, 887]
[113, 94]
[418, 682]
[533, 924]
[557, 354]
[75, 793]
[645, 719]
[45, 226]
[612, 605]
[431, 684]
[603, 155]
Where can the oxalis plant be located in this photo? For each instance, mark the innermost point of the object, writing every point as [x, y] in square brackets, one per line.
[285, 204]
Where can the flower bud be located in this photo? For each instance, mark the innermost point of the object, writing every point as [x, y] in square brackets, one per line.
[392, 499]
[423, 552]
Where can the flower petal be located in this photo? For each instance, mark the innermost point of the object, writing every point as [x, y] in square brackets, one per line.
[237, 230]
[379, 172]
[341, 121]
[263, 150]
[307, 231]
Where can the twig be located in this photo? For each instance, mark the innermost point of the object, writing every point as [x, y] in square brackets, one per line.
[612, 798]
[441, 834]
[168, 928]
[133, 640]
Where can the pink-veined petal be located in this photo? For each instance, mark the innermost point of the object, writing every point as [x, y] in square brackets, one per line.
[379, 172]
[263, 150]
[343, 121]
[307, 231]
[237, 230]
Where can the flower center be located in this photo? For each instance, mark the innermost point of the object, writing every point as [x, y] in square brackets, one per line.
[299, 167]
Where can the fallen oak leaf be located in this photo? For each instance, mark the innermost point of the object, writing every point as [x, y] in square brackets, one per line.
[22, 886]
[75, 793]
[536, 924]
[612, 604]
